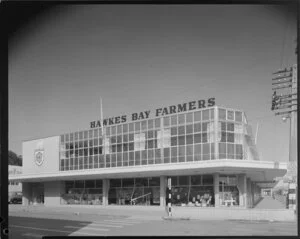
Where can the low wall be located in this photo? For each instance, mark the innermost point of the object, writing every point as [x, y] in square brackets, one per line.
[234, 214]
[280, 198]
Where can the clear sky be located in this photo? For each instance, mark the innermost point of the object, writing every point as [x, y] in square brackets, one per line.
[142, 57]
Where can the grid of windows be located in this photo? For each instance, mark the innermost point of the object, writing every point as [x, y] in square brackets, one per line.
[82, 192]
[178, 138]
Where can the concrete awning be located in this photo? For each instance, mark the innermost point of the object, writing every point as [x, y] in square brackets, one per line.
[257, 171]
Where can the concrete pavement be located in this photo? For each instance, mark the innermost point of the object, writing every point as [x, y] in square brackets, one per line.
[157, 213]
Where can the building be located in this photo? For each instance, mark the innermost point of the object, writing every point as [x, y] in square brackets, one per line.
[208, 152]
[14, 187]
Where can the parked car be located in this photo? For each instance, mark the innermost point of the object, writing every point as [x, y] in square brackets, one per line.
[16, 200]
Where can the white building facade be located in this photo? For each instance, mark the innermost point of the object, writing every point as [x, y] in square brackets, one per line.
[208, 152]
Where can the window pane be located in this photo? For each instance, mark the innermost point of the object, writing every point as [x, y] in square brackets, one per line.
[204, 127]
[189, 139]
[189, 129]
[196, 180]
[174, 181]
[144, 125]
[206, 149]
[207, 180]
[128, 182]
[174, 141]
[166, 121]
[150, 124]
[107, 131]
[157, 123]
[230, 126]
[125, 128]
[183, 180]
[189, 150]
[222, 114]
[204, 137]
[113, 183]
[230, 137]
[230, 149]
[181, 130]
[181, 151]
[76, 136]
[197, 116]
[119, 139]
[174, 131]
[173, 151]
[181, 119]
[197, 127]
[197, 148]
[119, 129]
[90, 183]
[212, 114]
[230, 115]
[197, 138]
[222, 150]
[189, 118]
[205, 115]
[238, 116]
[130, 127]
[174, 120]
[181, 140]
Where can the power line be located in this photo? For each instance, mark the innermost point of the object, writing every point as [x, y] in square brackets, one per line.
[284, 39]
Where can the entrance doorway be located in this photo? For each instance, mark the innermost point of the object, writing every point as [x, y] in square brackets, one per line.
[37, 193]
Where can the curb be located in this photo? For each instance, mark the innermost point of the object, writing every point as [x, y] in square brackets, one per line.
[175, 218]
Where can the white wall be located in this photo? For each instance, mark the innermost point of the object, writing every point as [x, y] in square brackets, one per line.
[50, 147]
[52, 192]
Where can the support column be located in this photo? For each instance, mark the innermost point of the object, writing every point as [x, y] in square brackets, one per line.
[216, 133]
[163, 185]
[105, 189]
[242, 186]
[216, 189]
[26, 193]
[249, 192]
[252, 194]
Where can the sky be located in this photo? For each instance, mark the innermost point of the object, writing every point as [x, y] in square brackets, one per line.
[143, 57]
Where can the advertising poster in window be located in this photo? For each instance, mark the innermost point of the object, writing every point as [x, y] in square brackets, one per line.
[167, 138]
[106, 145]
[159, 139]
[142, 141]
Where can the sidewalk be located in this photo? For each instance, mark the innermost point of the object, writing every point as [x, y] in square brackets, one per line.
[137, 212]
[158, 213]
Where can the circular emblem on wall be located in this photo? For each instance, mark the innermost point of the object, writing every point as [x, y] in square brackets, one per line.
[39, 157]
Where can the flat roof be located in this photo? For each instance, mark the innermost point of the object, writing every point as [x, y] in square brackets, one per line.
[257, 171]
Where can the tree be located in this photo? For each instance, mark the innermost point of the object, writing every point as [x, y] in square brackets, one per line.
[14, 159]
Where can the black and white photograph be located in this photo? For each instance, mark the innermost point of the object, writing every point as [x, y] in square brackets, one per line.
[153, 120]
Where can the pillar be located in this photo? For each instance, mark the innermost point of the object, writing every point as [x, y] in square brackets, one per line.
[163, 185]
[26, 194]
[249, 193]
[242, 186]
[216, 189]
[105, 189]
[52, 193]
[252, 194]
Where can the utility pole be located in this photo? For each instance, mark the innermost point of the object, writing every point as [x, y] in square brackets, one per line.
[285, 104]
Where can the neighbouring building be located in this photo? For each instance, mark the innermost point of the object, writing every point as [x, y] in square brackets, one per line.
[14, 187]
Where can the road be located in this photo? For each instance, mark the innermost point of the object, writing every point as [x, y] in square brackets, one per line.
[107, 225]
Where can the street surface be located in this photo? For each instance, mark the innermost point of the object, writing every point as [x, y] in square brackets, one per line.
[51, 224]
